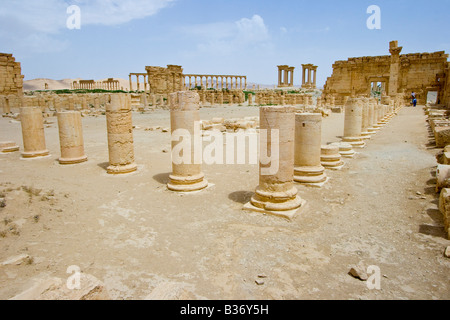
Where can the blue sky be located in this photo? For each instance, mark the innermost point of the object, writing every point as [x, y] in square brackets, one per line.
[240, 37]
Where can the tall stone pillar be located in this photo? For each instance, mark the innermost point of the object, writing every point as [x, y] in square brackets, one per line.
[187, 173]
[71, 137]
[308, 138]
[353, 123]
[33, 133]
[276, 193]
[120, 137]
[395, 51]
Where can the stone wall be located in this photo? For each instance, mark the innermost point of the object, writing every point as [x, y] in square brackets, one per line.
[400, 74]
[11, 83]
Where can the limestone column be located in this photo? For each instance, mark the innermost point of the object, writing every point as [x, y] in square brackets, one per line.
[372, 118]
[315, 78]
[303, 76]
[71, 137]
[279, 77]
[33, 133]
[276, 193]
[120, 137]
[308, 135]
[353, 123]
[250, 99]
[365, 134]
[184, 117]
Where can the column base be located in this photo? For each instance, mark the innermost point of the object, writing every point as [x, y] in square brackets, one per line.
[310, 176]
[121, 169]
[345, 149]
[277, 201]
[365, 135]
[187, 184]
[35, 154]
[287, 214]
[8, 146]
[355, 142]
[72, 160]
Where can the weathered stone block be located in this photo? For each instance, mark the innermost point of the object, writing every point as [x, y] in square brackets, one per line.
[442, 136]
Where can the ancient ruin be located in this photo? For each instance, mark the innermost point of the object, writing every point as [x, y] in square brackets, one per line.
[276, 193]
[308, 134]
[33, 133]
[71, 137]
[187, 172]
[120, 137]
[309, 75]
[395, 74]
[285, 76]
[11, 83]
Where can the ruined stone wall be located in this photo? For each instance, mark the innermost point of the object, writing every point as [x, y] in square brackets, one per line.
[11, 83]
[445, 100]
[165, 80]
[416, 72]
[11, 79]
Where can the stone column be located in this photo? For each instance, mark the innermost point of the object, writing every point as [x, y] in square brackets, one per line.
[279, 77]
[394, 75]
[71, 137]
[250, 99]
[120, 137]
[308, 138]
[315, 78]
[33, 133]
[303, 75]
[353, 123]
[291, 82]
[372, 118]
[187, 174]
[365, 134]
[276, 193]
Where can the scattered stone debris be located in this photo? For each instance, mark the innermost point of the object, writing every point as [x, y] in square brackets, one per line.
[86, 287]
[359, 271]
[447, 252]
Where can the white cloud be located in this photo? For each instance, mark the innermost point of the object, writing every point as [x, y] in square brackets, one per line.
[30, 19]
[225, 38]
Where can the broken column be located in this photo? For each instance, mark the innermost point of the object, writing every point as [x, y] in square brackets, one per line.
[8, 146]
[71, 137]
[187, 172]
[308, 135]
[120, 137]
[33, 133]
[331, 158]
[345, 149]
[353, 123]
[276, 193]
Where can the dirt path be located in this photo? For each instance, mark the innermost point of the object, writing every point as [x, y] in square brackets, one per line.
[133, 234]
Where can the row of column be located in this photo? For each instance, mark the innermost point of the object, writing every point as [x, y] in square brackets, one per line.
[215, 82]
[105, 85]
[138, 75]
[120, 136]
[292, 139]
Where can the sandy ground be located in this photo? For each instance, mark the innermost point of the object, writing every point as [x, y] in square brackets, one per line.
[133, 234]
